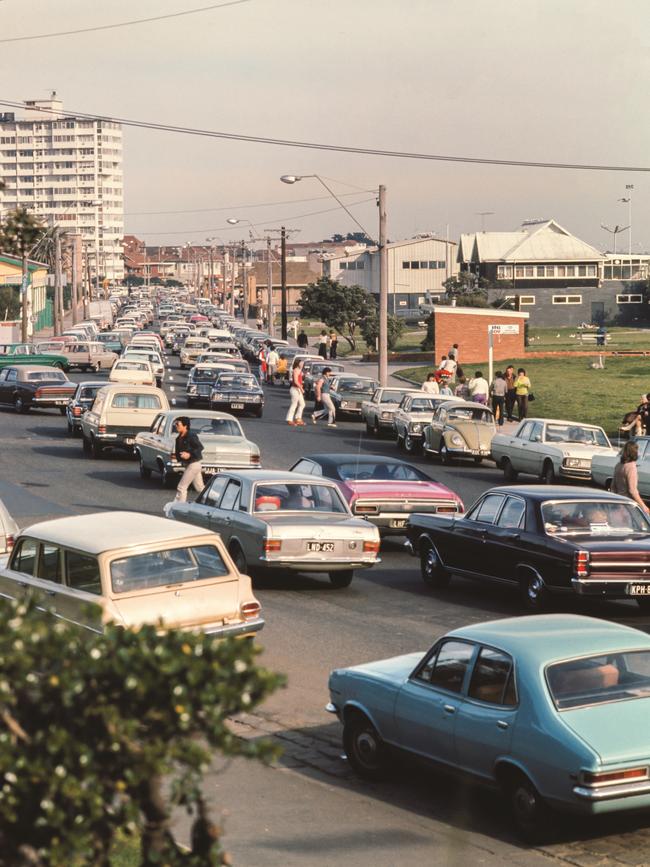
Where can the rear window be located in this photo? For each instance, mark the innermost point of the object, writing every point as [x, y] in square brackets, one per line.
[166, 568]
[46, 376]
[136, 401]
[598, 679]
[225, 427]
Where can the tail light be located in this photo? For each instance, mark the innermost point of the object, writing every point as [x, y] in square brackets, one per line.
[101, 429]
[10, 542]
[251, 610]
[360, 509]
[272, 545]
[441, 510]
[608, 778]
[38, 393]
[76, 411]
[255, 459]
[371, 547]
[581, 564]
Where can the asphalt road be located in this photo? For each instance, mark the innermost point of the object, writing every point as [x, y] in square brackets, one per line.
[310, 809]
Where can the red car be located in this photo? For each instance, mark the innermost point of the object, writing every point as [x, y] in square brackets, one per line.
[384, 490]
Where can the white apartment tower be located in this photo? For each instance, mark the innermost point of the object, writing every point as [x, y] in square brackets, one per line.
[68, 171]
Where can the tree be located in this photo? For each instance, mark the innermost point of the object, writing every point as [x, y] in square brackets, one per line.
[9, 303]
[370, 329]
[338, 306]
[20, 232]
[101, 733]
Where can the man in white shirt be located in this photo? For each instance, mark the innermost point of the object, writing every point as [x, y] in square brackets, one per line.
[272, 358]
[478, 388]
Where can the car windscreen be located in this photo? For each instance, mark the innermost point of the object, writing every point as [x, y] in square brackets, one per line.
[205, 375]
[598, 679]
[216, 427]
[357, 386]
[574, 433]
[165, 568]
[593, 518]
[420, 405]
[297, 497]
[46, 376]
[227, 380]
[88, 392]
[392, 396]
[382, 471]
[470, 414]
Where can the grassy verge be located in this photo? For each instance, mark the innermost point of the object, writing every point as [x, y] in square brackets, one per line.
[410, 340]
[568, 388]
[541, 339]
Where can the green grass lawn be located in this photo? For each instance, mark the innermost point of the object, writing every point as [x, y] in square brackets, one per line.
[567, 388]
[566, 338]
[410, 340]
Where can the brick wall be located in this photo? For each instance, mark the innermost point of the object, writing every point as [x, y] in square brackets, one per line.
[470, 332]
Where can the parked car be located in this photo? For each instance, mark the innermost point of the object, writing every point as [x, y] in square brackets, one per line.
[460, 429]
[12, 354]
[312, 370]
[542, 540]
[550, 710]
[130, 568]
[602, 467]
[89, 355]
[378, 411]
[237, 392]
[414, 413]
[348, 392]
[80, 402]
[200, 380]
[550, 449]
[118, 415]
[8, 532]
[35, 386]
[383, 490]
[285, 522]
[133, 372]
[225, 446]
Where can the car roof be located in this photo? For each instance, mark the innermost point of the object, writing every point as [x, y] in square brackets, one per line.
[574, 423]
[179, 412]
[128, 387]
[105, 531]
[36, 368]
[274, 476]
[553, 637]
[335, 458]
[557, 492]
[464, 404]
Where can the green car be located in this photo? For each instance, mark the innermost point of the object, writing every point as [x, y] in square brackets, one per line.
[25, 353]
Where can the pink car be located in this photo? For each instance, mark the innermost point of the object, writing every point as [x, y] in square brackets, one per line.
[384, 490]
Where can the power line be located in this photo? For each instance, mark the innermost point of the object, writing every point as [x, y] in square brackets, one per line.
[124, 23]
[258, 139]
[239, 207]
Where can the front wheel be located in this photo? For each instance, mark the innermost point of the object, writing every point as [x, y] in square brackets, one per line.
[366, 752]
[431, 569]
[167, 478]
[145, 472]
[510, 474]
[410, 444]
[341, 579]
[548, 473]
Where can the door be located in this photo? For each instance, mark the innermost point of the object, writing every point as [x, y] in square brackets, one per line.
[597, 312]
[471, 551]
[486, 719]
[149, 443]
[221, 518]
[436, 428]
[78, 599]
[534, 451]
[643, 468]
[207, 501]
[15, 583]
[505, 538]
[428, 703]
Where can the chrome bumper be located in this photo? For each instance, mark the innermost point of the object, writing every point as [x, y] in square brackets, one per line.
[613, 589]
[606, 793]
[575, 473]
[320, 564]
[237, 629]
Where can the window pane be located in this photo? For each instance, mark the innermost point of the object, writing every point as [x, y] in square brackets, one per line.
[24, 559]
[406, 265]
[433, 264]
[82, 572]
[424, 265]
[489, 508]
[490, 676]
[231, 496]
[512, 513]
[162, 568]
[451, 665]
[415, 266]
[49, 566]
[582, 270]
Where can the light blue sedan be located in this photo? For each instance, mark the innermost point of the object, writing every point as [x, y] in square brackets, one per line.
[551, 709]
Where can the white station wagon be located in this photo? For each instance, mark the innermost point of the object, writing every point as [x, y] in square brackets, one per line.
[550, 449]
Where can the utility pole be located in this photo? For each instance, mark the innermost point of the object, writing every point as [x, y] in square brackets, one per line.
[232, 279]
[24, 290]
[383, 290]
[88, 292]
[269, 286]
[58, 284]
[244, 280]
[283, 280]
[75, 282]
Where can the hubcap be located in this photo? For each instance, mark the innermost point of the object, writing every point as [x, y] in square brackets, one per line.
[534, 589]
[525, 805]
[430, 562]
[366, 747]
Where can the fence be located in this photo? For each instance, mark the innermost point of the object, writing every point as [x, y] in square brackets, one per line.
[45, 317]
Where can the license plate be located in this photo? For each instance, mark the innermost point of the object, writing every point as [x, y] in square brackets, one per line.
[638, 589]
[399, 522]
[320, 546]
[236, 405]
[128, 441]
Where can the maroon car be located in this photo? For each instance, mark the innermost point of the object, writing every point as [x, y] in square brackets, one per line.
[30, 386]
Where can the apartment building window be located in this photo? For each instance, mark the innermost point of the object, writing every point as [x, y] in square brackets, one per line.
[524, 300]
[519, 271]
[567, 299]
[629, 299]
[591, 271]
[504, 272]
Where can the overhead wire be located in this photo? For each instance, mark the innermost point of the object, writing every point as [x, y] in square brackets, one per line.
[241, 207]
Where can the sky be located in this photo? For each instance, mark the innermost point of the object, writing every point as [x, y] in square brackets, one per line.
[536, 80]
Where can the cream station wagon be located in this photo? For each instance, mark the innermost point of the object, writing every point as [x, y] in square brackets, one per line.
[131, 569]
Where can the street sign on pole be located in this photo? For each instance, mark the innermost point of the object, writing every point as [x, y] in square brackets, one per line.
[503, 329]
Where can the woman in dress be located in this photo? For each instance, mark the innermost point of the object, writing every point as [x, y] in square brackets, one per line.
[522, 390]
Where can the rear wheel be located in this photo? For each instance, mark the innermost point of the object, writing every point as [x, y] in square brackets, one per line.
[19, 404]
[239, 559]
[341, 579]
[532, 591]
[167, 478]
[95, 449]
[96, 367]
[366, 752]
[530, 812]
[145, 472]
[431, 569]
[510, 474]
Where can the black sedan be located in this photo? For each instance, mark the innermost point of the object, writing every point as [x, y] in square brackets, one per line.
[237, 393]
[82, 400]
[348, 393]
[544, 540]
[31, 386]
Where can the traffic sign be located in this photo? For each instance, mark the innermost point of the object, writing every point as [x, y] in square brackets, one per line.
[504, 329]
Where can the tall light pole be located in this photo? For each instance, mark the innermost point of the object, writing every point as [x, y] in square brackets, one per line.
[383, 265]
[628, 200]
[233, 221]
[615, 231]
[483, 215]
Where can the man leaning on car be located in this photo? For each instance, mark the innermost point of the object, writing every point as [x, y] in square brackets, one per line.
[189, 452]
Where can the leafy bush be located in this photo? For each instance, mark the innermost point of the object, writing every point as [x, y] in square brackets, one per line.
[102, 733]
[370, 329]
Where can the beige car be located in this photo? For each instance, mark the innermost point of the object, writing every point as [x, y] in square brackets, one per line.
[89, 355]
[118, 415]
[191, 349]
[131, 569]
[134, 371]
[460, 429]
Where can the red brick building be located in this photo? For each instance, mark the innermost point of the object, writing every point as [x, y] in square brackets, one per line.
[468, 327]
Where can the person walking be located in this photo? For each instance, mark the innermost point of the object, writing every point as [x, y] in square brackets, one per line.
[272, 359]
[322, 344]
[626, 476]
[453, 352]
[297, 404]
[478, 388]
[334, 344]
[322, 391]
[511, 395]
[430, 386]
[302, 340]
[522, 390]
[188, 451]
[498, 391]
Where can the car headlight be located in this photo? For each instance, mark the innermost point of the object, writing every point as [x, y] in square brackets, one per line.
[577, 463]
[415, 427]
[386, 415]
[217, 395]
[192, 389]
[456, 440]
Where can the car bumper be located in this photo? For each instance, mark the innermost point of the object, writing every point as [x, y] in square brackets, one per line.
[322, 564]
[208, 468]
[610, 589]
[575, 473]
[122, 441]
[468, 453]
[50, 401]
[236, 630]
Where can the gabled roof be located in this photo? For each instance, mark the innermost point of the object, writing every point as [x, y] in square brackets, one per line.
[550, 242]
[494, 246]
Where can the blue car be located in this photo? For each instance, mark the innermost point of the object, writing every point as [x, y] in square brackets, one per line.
[551, 709]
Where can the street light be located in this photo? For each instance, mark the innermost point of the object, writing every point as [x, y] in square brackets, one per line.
[383, 266]
[244, 288]
[628, 200]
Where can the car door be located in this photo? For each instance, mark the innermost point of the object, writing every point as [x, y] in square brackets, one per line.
[427, 704]
[517, 448]
[221, 517]
[16, 583]
[3, 385]
[370, 408]
[472, 553]
[505, 538]
[436, 427]
[11, 385]
[78, 598]
[534, 449]
[485, 720]
[149, 442]
[207, 501]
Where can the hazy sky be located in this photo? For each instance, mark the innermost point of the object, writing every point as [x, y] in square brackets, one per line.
[552, 80]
